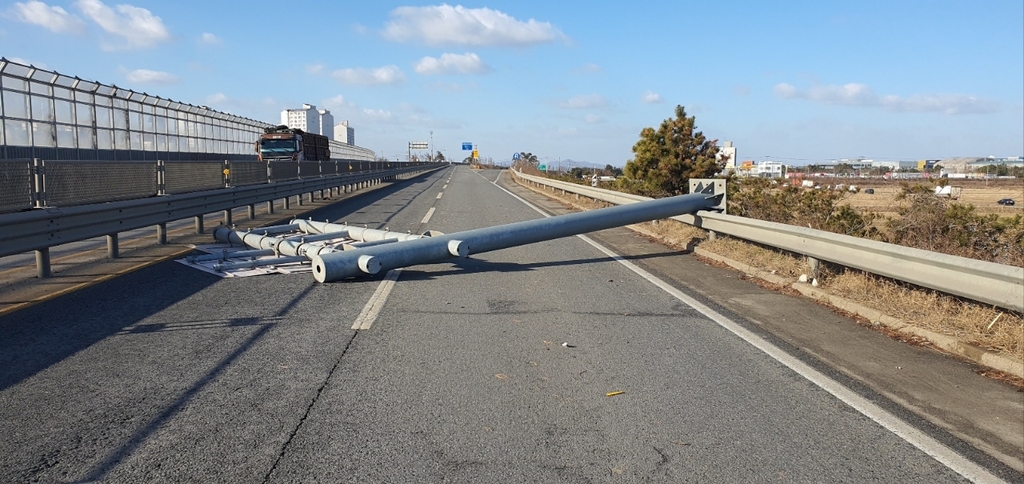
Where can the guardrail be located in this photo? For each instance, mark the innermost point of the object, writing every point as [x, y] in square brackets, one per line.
[997, 284]
[39, 183]
[39, 229]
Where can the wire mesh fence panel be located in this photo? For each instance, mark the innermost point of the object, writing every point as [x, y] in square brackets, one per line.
[15, 185]
[309, 169]
[246, 173]
[284, 170]
[193, 176]
[80, 182]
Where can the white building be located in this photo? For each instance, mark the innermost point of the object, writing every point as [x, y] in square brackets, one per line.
[325, 124]
[895, 165]
[770, 169]
[344, 133]
[728, 150]
[309, 119]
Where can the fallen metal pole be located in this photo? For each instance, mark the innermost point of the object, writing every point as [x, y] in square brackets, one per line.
[299, 245]
[334, 266]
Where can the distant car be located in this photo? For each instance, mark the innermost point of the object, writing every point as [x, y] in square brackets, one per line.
[869, 191]
[1006, 201]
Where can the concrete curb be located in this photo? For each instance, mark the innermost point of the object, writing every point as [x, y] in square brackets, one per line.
[945, 342]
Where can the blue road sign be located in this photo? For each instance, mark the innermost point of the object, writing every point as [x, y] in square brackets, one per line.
[515, 156]
[467, 146]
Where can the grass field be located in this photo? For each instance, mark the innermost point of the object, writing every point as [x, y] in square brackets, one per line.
[983, 195]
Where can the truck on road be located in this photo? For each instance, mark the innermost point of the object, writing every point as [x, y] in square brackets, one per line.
[281, 143]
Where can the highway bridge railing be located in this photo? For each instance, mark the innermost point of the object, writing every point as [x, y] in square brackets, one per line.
[48, 224]
[987, 282]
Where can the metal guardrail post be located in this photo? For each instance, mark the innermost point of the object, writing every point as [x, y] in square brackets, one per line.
[199, 224]
[270, 206]
[38, 182]
[43, 263]
[252, 211]
[227, 217]
[161, 234]
[112, 248]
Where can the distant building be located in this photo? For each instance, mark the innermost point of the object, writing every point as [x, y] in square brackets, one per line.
[728, 150]
[309, 119]
[895, 165]
[344, 133]
[770, 169]
[325, 125]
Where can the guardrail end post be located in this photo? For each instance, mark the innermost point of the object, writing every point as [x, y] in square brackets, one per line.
[43, 263]
[112, 252]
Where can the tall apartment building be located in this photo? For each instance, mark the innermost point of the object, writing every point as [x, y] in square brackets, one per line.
[728, 150]
[309, 119]
[345, 134]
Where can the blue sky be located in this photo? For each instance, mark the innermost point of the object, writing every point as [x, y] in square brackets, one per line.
[797, 81]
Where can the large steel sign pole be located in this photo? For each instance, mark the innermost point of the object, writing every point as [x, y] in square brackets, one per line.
[334, 266]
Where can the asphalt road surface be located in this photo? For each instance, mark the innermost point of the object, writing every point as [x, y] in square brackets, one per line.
[552, 362]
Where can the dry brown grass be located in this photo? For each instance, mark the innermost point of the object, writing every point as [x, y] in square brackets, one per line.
[991, 328]
[775, 261]
[967, 321]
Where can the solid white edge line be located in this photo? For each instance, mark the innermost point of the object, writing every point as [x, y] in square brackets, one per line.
[369, 313]
[426, 218]
[923, 442]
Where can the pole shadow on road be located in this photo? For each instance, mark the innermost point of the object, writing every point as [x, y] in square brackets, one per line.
[471, 265]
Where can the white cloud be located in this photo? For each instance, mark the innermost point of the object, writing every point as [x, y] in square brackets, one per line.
[368, 77]
[151, 77]
[584, 101]
[651, 97]
[314, 69]
[448, 25]
[54, 19]
[593, 119]
[210, 39]
[336, 102]
[589, 68]
[377, 115]
[468, 63]
[138, 26]
[217, 98]
[854, 94]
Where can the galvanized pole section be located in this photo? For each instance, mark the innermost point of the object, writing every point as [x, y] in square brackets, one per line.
[370, 260]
